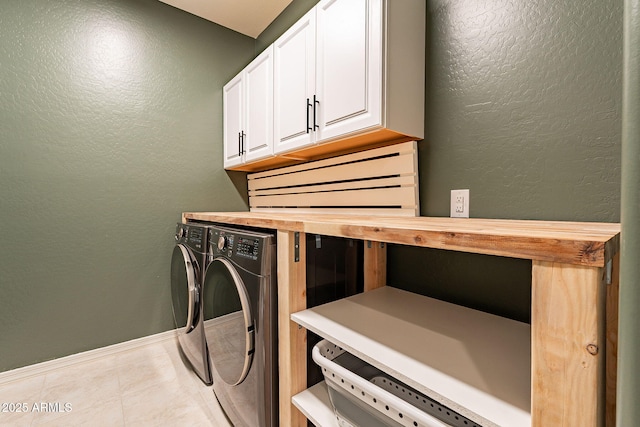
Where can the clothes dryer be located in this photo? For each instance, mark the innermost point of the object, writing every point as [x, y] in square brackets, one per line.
[187, 270]
[240, 312]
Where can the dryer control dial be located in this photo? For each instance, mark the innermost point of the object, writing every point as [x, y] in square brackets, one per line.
[180, 233]
[222, 243]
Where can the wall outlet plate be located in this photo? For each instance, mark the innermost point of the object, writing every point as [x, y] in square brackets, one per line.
[459, 204]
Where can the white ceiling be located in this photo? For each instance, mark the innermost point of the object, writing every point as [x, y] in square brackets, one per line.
[248, 17]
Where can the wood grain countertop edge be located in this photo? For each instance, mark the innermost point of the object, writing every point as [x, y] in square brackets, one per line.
[580, 243]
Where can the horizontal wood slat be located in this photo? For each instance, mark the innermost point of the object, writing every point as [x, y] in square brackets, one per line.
[402, 181]
[406, 147]
[381, 181]
[391, 212]
[384, 166]
[358, 197]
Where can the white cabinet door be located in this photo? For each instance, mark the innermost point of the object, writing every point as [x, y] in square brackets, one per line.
[233, 104]
[248, 112]
[294, 69]
[258, 80]
[349, 66]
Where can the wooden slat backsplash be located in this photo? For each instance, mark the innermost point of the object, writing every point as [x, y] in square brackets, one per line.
[382, 181]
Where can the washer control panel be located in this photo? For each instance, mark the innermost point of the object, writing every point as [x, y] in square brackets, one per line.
[236, 244]
[194, 236]
[248, 247]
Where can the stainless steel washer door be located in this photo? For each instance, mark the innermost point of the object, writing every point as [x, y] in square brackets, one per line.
[184, 291]
[229, 326]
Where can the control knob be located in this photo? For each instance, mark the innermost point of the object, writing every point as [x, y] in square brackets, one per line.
[222, 243]
[180, 233]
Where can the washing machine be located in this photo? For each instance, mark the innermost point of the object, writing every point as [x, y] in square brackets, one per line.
[240, 323]
[188, 261]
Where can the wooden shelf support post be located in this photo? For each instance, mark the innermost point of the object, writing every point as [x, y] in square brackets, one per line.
[613, 295]
[568, 345]
[292, 347]
[375, 265]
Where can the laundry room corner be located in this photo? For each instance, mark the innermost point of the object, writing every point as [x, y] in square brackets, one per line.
[106, 137]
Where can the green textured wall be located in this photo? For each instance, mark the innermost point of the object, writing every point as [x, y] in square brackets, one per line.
[110, 127]
[523, 108]
[628, 410]
[293, 12]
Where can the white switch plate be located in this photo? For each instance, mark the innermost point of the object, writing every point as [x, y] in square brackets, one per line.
[459, 204]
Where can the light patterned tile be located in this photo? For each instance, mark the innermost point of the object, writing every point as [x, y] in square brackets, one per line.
[172, 349]
[185, 374]
[106, 413]
[17, 399]
[214, 411]
[83, 385]
[16, 412]
[193, 386]
[26, 389]
[139, 370]
[149, 386]
[164, 404]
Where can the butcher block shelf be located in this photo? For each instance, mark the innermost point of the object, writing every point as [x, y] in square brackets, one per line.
[581, 243]
[574, 297]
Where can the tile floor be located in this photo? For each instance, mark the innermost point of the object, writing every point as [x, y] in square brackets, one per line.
[148, 386]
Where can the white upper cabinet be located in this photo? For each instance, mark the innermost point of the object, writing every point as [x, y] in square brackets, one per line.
[348, 75]
[258, 141]
[328, 70]
[294, 86]
[248, 112]
[233, 121]
[348, 67]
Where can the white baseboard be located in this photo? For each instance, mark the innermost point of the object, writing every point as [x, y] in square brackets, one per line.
[85, 356]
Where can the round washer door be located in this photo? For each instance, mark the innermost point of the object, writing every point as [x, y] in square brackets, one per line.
[229, 326]
[184, 292]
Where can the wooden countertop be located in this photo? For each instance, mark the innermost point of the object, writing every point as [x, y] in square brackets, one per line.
[581, 243]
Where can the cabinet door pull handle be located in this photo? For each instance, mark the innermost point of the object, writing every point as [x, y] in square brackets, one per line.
[315, 102]
[239, 143]
[308, 105]
[242, 147]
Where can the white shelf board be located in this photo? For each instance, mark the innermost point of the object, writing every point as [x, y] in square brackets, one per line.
[314, 403]
[476, 363]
